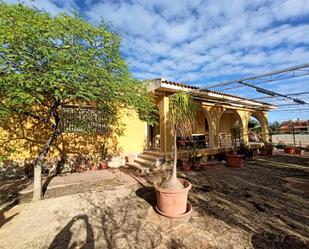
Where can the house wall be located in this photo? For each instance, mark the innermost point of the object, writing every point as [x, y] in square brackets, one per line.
[199, 126]
[135, 137]
[227, 121]
[22, 139]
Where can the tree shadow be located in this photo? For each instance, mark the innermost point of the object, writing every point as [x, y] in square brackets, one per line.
[4, 220]
[251, 199]
[263, 239]
[10, 196]
[63, 238]
[122, 222]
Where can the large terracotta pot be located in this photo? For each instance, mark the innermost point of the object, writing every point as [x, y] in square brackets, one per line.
[173, 202]
[289, 150]
[234, 160]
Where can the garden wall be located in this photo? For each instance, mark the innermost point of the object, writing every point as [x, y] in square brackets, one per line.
[288, 139]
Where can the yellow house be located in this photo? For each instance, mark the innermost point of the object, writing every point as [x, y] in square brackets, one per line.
[217, 113]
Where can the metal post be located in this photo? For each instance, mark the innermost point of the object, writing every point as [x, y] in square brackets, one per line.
[293, 133]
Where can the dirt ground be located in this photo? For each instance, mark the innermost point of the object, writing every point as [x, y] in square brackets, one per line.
[263, 205]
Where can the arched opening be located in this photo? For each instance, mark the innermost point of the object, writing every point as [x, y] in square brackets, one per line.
[203, 127]
[230, 129]
[256, 128]
[202, 131]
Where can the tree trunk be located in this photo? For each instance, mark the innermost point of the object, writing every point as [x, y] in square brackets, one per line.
[174, 173]
[37, 188]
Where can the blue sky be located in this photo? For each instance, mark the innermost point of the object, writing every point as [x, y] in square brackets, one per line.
[206, 42]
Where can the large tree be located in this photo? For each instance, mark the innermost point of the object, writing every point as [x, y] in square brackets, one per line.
[48, 62]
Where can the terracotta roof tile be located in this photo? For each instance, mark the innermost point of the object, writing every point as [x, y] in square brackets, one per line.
[206, 90]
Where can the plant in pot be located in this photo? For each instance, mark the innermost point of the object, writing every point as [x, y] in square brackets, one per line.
[236, 158]
[172, 193]
[289, 150]
[299, 150]
[186, 164]
[193, 157]
[266, 149]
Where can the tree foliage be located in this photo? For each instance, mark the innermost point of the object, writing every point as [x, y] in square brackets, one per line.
[274, 128]
[182, 111]
[48, 62]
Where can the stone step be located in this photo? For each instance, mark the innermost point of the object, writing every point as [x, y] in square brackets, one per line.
[144, 162]
[139, 168]
[149, 157]
[155, 153]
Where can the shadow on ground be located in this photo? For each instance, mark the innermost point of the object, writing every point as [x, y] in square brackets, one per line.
[268, 240]
[63, 238]
[9, 196]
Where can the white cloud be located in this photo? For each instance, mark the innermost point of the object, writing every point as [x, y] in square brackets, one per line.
[203, 42]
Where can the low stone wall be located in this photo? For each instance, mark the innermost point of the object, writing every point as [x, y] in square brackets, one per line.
[14, 169]
[288, 139]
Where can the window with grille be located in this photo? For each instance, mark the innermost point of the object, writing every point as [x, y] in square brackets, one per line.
[83, 119]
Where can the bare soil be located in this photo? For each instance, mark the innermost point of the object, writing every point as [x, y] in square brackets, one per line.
[263, 205]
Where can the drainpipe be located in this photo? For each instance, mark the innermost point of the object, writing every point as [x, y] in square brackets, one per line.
[165, 143]
[293, 133]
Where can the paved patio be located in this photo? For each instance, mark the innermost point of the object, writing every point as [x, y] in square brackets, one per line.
[263, 205]
[84, 177]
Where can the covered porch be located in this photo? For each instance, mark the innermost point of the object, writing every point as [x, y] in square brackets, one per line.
[217, 113]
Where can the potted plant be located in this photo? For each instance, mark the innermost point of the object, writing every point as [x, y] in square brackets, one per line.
[103, 165]
[186, 164]
[266, 149]
[193, 157]
[300, 151]
[172, 193]
[236, 158]
[251, 154]
[289, 150]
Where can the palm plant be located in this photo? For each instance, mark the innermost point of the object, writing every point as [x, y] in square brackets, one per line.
[182, 111]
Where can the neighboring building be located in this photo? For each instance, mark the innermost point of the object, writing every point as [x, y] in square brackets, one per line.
[299, 126]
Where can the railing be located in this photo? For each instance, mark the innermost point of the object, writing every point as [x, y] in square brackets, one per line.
[197, 140]
[225, 140]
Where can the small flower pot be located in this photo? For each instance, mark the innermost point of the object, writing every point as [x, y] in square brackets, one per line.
[252, 155]
[300, 151]
[234, 160]
[173, 202]
[103, 165]
[269, 152]
[82, 168]
[263, 152]
[197, 165]
[186, 165]
[94, 167]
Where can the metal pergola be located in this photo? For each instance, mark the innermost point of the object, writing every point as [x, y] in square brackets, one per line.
[297, 99]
